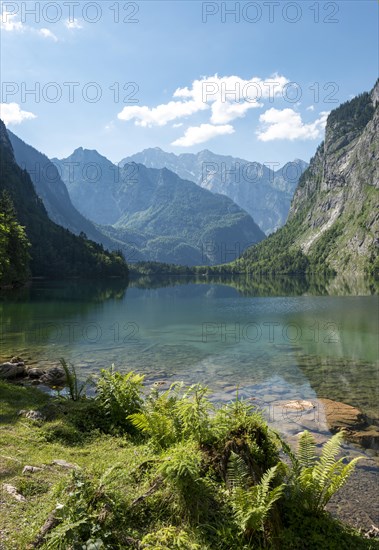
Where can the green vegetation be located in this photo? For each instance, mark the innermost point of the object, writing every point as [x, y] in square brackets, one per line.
[14, 246]
[315, 480]
[324, 246]
[154, 214]
[54, 251]
[162, 469]
[351, 117]
[276, 255]
[76, 389]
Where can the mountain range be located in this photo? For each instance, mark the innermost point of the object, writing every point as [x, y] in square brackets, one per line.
[155, 214]
[264, 193]
[53, 192]
[165, 217]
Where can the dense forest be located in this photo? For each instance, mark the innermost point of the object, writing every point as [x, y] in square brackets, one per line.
[14, 245]
[351, 116]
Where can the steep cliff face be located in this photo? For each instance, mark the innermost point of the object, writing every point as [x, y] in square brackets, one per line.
[334, 216]
[339, 193]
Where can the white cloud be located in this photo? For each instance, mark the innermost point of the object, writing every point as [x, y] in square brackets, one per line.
[74, 24]
[48, 34]
[228, 98]
[8, 23]
[287, 124]
[11, 113]
[202, 133]
[231, 96]
[177, 125]
[226, 112]
[311, 108]
[161, 115]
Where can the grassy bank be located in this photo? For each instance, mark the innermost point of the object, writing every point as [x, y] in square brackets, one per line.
[160, 469]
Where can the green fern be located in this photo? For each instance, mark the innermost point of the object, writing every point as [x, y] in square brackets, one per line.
[76, 389]
[159, 427]
[194, 412]
[317, 480]
[119, 396]
[237, 472]
[252, 506]
[158, 418]
[306, 454]
[181, 468]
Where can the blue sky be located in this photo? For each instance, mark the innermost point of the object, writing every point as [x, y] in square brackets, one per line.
[289, 64]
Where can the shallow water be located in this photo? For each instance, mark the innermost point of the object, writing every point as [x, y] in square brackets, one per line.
[273, 347]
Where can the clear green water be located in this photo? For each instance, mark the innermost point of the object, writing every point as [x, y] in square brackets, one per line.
[274, 347]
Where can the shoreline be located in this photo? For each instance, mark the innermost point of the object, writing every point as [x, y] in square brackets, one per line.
[356, 504]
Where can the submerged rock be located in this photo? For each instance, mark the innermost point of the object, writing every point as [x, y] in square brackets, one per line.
[17, 360]
[52, 376]
[55, 376]
[9, 370]
[35, 372]
[340, 416]
[299, 405]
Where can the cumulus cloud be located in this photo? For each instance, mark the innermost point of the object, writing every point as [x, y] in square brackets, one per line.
[11, 113]
[311, 108]
[287, 124]
[228, 98]
[231, 97]
[8, 22]
[161, 115]
[199, 134]
[48, 34]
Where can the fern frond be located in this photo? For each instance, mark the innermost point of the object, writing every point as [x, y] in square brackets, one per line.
[237, 471]
[139, 421]
[252, 506]
[306, 452]
[318, 480]
[267, 479]
[327, 459]
[339, 480]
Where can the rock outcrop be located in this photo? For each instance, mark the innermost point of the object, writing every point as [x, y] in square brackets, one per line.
[338, 195]
[16, 369]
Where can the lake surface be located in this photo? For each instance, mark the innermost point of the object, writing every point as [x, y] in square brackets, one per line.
[275, 343]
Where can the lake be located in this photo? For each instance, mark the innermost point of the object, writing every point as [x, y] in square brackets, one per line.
[277, 341]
